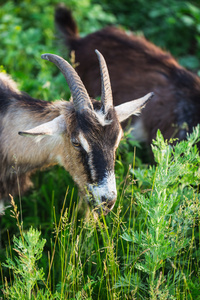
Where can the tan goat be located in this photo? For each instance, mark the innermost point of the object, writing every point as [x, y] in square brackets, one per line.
[81, 135]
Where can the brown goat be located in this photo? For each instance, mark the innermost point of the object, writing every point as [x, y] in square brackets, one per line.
[136, 66]
[81, 135]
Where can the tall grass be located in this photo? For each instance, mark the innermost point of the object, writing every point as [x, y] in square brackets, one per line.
[148, 248]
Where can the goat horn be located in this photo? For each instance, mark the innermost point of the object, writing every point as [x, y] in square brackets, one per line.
[106, 91]
[79, 93]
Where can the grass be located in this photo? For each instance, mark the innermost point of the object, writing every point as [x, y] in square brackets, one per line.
[147, 248]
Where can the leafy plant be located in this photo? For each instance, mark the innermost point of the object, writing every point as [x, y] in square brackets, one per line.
[170, 208]
[26, 274]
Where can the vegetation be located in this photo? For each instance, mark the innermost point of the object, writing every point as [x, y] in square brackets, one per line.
[173, 25]
[148, 246]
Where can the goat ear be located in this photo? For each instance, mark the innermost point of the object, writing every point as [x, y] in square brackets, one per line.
[54, 127]
[134, 107]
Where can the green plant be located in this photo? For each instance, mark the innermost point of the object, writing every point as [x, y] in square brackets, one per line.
[170, 208]
[26, 274]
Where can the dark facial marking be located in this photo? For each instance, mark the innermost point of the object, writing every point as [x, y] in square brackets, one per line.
[103, 162]
[102, 140]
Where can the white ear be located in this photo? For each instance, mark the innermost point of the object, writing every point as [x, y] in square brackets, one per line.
[125, 110]
[54, 127]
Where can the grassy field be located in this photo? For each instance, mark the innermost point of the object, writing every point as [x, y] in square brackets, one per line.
[148, 247]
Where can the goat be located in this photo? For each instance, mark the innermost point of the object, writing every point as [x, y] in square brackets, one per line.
[81, 135]
[135, 67]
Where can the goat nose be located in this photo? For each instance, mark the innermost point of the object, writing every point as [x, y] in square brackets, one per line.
[109, 201]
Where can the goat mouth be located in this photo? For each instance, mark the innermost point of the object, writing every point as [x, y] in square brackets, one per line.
[108, 207]
[104, 207]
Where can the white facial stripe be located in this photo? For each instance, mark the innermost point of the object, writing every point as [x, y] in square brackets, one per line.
[84, 142]
[106, 189]
[92, 169]
[90, 159]
[86, 147]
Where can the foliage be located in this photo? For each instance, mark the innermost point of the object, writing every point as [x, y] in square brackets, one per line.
[148, 246]
[173, 25]
[27, 31]
[170, 207]
[25, 38]
[26, 274]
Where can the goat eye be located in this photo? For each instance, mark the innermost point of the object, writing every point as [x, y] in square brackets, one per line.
[75, 143]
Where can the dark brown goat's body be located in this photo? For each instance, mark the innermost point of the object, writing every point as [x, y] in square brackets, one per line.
[136, 67]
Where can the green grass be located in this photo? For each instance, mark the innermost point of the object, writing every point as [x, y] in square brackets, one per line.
[148, 246]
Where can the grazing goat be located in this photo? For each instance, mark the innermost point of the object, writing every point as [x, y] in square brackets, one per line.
[135, 67]
[81, 135]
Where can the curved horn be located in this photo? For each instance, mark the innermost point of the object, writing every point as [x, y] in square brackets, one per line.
[80, 96]
[106, 91]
